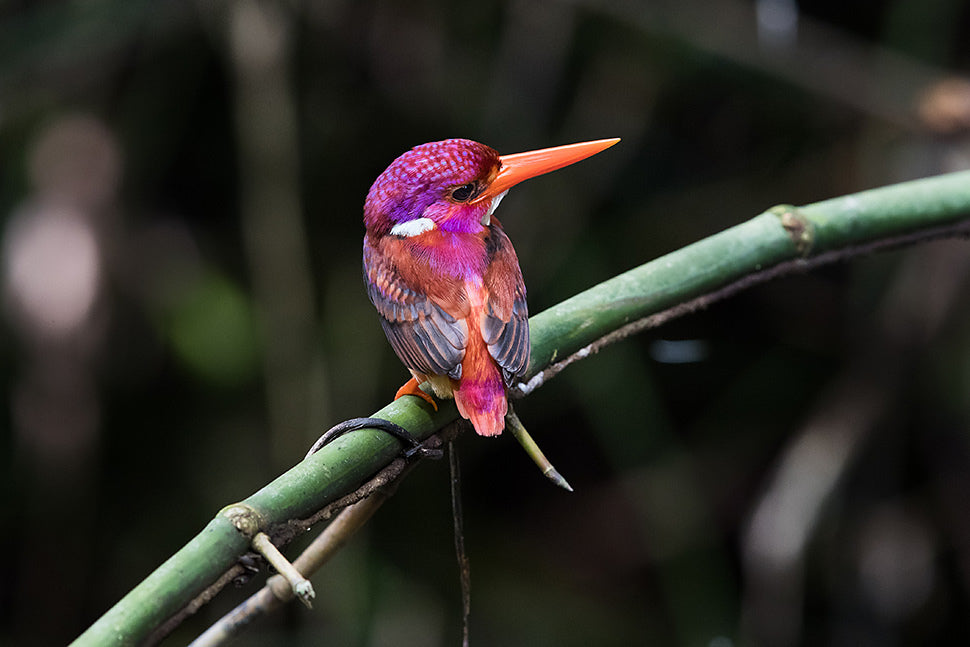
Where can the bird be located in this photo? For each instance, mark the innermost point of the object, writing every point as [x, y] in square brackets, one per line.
[443, 275]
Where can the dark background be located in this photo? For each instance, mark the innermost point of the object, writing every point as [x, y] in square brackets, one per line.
[180, 193]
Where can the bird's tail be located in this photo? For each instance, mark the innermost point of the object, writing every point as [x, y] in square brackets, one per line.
[481, 400]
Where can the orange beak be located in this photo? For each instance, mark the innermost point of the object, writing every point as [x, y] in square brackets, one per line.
[521, 166]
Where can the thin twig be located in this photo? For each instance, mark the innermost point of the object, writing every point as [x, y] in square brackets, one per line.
[514, 425]
[464, 567]
[299, 586]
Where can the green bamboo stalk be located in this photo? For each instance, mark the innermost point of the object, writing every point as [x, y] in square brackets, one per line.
[781, 234]
[783, 237]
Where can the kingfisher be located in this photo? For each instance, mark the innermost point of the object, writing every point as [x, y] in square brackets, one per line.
[443, 275]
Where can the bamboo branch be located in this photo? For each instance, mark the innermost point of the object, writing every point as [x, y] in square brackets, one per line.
[781, 240]
[277, 592]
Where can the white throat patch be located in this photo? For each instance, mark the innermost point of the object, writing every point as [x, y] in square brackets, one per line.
[487, 218]
[413, 227]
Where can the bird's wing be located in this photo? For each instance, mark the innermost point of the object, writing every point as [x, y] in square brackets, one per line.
[505, 326]
[425, 337]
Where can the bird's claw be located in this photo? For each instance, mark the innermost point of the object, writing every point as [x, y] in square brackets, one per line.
[411, 387]
[412, 446]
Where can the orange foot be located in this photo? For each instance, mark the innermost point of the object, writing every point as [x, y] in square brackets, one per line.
[411, 388]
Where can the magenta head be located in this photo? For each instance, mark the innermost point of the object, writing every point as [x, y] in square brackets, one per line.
[427, 182]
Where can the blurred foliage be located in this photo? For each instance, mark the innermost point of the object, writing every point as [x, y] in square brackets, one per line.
[213, 332]
[132, 416]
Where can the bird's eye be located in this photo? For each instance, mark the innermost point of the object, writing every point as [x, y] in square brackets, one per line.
[464, 193]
